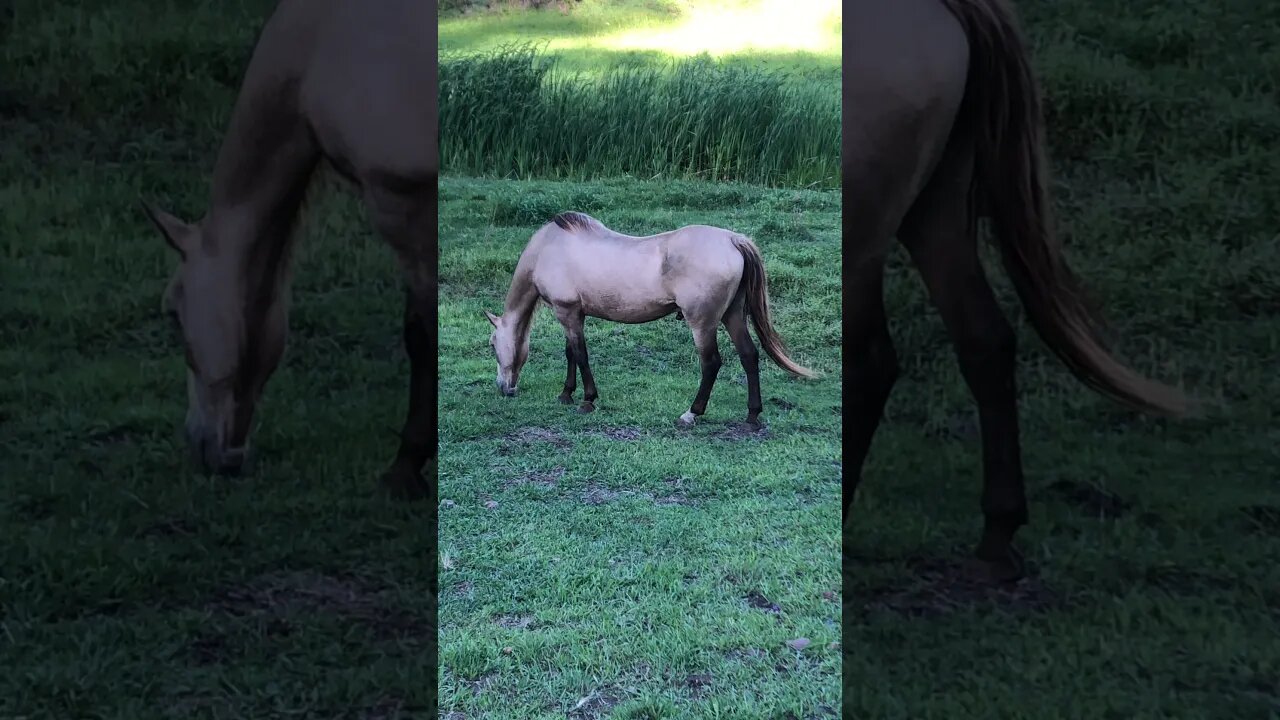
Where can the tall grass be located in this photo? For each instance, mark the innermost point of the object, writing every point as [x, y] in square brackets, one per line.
[510, 113]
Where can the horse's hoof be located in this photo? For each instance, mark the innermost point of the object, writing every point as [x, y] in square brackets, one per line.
[754, 424]
[586, 408]
[565, 399]
[405, 484]
[1001, 570]
[686, 420]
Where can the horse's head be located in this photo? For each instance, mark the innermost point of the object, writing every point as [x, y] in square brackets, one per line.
[511, 346]
[229, 352]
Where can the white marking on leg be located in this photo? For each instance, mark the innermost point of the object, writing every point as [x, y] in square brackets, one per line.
[688, 418]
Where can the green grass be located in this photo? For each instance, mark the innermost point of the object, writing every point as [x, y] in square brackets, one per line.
[634, 550]
[595, 36]
[1164, 130]
[511, 113]
[131, 588]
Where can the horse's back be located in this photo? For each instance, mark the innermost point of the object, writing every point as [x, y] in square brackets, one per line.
[364, 87]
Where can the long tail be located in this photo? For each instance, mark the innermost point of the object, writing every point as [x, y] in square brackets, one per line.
[1002, 108]
[757, 287]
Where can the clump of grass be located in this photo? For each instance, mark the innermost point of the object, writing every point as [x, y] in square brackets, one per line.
[510, 113]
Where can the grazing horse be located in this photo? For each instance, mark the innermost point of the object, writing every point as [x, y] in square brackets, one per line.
[581, 268]
[934, 138]
[341, 81]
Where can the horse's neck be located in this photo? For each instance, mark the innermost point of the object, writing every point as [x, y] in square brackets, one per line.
[522, 299]
[262, 172]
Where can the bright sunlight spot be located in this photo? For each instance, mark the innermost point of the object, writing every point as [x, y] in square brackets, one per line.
[777, 25]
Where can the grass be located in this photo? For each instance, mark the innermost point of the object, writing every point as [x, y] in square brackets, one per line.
[131, 588]
[510, 113]
[1153, 543]
[613, 559]
[800, 37]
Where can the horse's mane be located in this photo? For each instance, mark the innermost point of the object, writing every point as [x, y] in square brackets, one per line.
[572, 220]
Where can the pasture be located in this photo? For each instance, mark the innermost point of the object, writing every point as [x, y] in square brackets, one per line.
[612, 559]
[612, 565]
[1153, 543]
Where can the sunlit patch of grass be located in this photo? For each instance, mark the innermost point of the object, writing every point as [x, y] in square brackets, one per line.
[795, 35]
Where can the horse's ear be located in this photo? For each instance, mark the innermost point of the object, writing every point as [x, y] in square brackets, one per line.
[493, 319]
[176, 232]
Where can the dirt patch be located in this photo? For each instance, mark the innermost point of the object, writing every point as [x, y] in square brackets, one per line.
[464, 589]
[747, 654]
[525, 437]
[1091, 500]
[618, 434]
[273, 597]
[756, 599]
[742, 431]
[784, 404]
[697, 684]
[542, 479]
[940, 588]
[514, 622]
[596, 495]
[598, 704]
[673, 499]
[1263, 519]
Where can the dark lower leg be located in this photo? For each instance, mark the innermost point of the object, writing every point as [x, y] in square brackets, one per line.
[871, 369]
[589, 394]
[737, 326]
[987, 349]
[571, 378]
[709, 360]
[418, 438]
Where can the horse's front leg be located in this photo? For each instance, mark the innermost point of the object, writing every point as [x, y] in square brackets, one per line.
[406, 220]
[573, 321]
[571, 377]
[704, 338]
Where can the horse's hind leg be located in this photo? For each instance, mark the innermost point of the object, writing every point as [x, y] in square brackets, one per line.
[735, 322]
[941, 235]
[573, 321]
[405, 219]
[704, 339]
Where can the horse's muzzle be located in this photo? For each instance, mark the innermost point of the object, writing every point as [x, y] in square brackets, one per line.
[207, 452]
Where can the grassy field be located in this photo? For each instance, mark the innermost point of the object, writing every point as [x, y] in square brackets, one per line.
[612, 564]
[1154, 544]
[130, 587]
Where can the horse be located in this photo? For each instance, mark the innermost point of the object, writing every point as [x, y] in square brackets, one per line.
[933, 139]
[708, 275]
[342, 83]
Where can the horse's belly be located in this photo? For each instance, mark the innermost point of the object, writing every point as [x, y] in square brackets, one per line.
[626, 302]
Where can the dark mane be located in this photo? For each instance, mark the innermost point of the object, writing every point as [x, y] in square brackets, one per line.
[571, 221]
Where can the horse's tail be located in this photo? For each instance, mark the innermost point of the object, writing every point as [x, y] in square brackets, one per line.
[1002, 109]
[756, 285]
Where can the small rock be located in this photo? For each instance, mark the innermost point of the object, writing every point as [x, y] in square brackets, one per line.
[799, 643]
[491, 504]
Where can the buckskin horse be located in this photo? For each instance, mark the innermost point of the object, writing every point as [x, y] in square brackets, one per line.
[336, 81]
[943, 124]
[711, 276]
